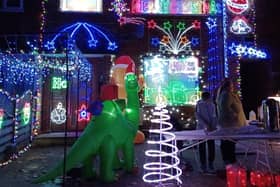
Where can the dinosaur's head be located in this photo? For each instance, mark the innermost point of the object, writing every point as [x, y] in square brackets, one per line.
[131, 81]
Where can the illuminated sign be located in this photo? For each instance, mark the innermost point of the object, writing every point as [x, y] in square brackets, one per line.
[171, 7]
[188, 66]
[58, 83]
[83, 115]
[175, 80]
[81, 6]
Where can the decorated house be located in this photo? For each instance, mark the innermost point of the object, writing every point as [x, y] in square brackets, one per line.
[179, 47]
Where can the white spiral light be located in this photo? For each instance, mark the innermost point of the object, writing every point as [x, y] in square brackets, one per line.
[160, 172]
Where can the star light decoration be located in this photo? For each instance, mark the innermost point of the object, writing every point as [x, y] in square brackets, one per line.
[169, 43]
[90, 29]
[120, 8]
[211, 23]
[247, 51]
[83, 115]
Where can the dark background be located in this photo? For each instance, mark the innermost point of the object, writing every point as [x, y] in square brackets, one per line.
[261, 78]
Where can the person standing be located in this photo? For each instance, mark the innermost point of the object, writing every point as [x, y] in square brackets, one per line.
[230, 115]
[206, 119]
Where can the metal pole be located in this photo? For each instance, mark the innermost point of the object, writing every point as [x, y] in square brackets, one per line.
[66, 97]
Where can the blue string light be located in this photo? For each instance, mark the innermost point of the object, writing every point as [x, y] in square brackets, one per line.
[215, 64]
[225, 21]
[247, 51]
[92, 32]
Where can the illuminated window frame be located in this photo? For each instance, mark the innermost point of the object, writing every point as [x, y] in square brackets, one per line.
[65, 8]
[6, 8]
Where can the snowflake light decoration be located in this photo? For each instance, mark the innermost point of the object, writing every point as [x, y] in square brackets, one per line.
[120, 8]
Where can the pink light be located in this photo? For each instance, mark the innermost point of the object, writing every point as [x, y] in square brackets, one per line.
[152, 24]
[1, 112]
[196, 24]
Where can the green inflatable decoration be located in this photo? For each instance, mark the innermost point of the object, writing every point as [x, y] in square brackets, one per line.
[111, 131]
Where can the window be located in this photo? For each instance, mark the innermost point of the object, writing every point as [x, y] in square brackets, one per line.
[11, 6]
[81, 6]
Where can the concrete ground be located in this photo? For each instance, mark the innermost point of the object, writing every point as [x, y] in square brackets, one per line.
[39, 159]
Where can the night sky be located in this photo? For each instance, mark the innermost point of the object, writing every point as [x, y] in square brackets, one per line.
[260, 78]
[268, 29]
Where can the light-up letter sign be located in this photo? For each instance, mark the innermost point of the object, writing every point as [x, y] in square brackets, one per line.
[58, 115]
[177, 79]
[58, 83]
[187, 66]
[26, 113]
[170, 6]
[81, 6]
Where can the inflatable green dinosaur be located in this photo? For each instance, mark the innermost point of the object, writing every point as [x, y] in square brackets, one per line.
[109, 131]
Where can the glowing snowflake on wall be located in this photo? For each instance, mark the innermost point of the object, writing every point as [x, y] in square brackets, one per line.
[120, 8]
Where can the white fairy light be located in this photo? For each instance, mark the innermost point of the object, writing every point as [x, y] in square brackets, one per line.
[158, 171]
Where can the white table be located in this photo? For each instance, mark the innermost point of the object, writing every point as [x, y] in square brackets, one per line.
[257, 136]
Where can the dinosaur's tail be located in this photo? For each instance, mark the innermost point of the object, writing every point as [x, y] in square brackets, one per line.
[77, 154]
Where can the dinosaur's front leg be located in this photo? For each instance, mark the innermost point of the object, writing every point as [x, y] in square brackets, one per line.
[118, 162]
[107, 153]
[128, 152]
[88, 172]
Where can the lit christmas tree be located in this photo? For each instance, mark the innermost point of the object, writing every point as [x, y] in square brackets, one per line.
[162, 169]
